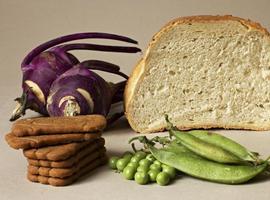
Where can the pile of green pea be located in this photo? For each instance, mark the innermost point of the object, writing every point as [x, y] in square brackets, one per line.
[143, 168]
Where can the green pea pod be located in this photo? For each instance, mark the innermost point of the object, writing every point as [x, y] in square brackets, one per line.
[205, 149]
[225, 143]
[177, 147]
[205, 169]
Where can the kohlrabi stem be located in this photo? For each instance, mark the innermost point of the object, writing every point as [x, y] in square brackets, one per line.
[103, 66]
[96, 47]
[77, 36]
[113, 118]
[118, 93]
[20, 108]
[73, 59]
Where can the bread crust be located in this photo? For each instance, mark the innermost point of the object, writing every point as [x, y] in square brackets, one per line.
[139, 69]
[212, 126]
[130, 88]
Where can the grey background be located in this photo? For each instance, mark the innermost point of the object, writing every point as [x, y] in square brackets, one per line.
[25, 24]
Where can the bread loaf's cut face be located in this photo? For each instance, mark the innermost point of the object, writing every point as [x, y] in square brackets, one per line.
[204, 74]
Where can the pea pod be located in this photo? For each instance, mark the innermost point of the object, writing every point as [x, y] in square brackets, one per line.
[177, 147]
[225, 143]
[205, 149]
[208, 170]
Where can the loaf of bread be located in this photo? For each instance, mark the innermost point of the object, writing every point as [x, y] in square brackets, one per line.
[204, 72]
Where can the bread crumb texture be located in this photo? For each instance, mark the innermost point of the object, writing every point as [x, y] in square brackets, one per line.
[204, 74]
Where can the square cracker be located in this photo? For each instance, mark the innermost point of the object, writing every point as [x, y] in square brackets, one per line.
[29, 142]
[56, 125]
[61, 152]
[65, 172]
[71, 161]
[69, 180]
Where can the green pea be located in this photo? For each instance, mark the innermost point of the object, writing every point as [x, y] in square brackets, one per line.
[135, 159]
[164, 166]
[133, 164]
[142, 168]
[129, 172]
[145, 162]
[163, 178]
[141, 178]
[169, 170]
[127, 155]
[155, 167]
[157, 162]
[153, 174]
[140, 154]
[150, 157]
[121, 164]
[112, 162]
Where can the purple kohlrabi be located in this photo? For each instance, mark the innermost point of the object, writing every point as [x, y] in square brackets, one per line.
[80, 91]
[47, 62]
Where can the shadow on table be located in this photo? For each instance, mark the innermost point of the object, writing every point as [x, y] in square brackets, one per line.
[264, 177]
[118, 126]
[92, 175]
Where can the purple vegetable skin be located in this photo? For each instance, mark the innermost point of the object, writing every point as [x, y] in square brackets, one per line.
[80, 91]
[40, 67]
[37, 79]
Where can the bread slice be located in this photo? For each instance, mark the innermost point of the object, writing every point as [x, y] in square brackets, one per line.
[204, 72]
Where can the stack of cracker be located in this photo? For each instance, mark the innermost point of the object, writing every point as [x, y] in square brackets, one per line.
[59, 150]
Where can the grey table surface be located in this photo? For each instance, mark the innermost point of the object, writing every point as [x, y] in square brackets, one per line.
[24, 24]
